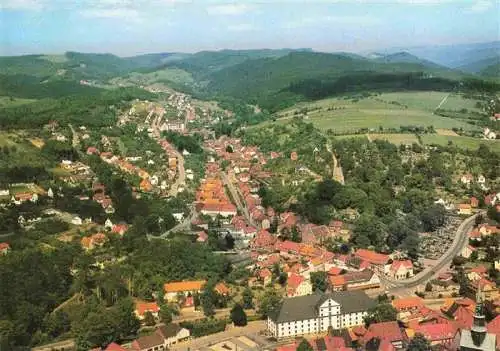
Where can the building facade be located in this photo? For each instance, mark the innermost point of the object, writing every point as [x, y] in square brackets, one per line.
[317, 312]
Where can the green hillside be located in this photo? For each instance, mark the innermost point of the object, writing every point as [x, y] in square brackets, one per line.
[203, 63]
[480, 65]
[275, 83]
[491, 71]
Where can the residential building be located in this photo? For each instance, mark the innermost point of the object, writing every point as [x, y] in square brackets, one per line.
[443, 333]
[141, 307]
[374, 258]
[362, 280]
[408, 304]
[153, 342]
[297, 285]
[186, 288]
[401, 269]
[4, 248]
[388, 332]
[315, 313]
[464, 209]
[172, 333]
[467, 251]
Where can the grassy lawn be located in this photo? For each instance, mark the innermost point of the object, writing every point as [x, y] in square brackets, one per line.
[386, 110]
[460, 141]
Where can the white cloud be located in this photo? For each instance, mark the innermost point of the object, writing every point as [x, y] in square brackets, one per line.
[229, 9]
[364, 20]
[23, 5]
[242, 27]
[480, 6]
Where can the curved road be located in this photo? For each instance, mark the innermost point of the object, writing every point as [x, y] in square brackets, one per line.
[461, 239]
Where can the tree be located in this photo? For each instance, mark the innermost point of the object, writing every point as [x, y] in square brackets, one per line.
[428, 287]
[296, 237]
[208, 299]
[269, 302]
[96, 330]
[247, 298]
[304, 346]
[149, 319]
[318, 280]
[165, 314]
[419, 343]
[124, 316]
[57, 323]
[238, 316]
[381, 313]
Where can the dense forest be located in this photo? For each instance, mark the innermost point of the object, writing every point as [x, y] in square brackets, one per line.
[90, 110]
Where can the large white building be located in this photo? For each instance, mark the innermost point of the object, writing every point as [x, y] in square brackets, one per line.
[316, 313]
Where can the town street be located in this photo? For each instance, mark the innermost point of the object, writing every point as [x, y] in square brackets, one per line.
[461, 239]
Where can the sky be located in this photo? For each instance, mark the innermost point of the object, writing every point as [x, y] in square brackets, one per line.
[129, 27]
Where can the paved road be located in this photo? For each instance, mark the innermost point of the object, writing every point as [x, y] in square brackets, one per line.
[238, 199]
[461, 239]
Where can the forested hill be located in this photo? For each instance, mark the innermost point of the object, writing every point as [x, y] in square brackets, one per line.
[269, 82]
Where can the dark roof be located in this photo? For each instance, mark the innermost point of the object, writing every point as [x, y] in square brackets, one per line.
[169, 330]
[358, 277]
[297, 308]
[306, 307]
[148, 341]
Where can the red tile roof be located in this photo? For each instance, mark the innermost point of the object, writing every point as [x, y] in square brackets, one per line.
[396, 265]
[4, 246]
[464, 317]
[142, 307]
[388, 331]
[294, 280]
[407, 303]
[437, 332]
[372, 256]
[494, 326]
[115, 347]
[335, 271]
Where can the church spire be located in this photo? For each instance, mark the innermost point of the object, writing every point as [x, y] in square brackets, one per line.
[478, 331]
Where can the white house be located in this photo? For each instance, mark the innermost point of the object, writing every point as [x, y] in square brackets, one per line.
[108, 224]
[401, 269]
[76, 221]
[173, 333]
[467, 251]
[312, 314]
[179, 216]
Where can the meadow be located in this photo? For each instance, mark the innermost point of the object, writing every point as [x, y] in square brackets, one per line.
[388, 110]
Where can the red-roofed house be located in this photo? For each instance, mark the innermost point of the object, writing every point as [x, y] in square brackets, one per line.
[115, 347]
[4, 248]
[386, 331]
[265, 276]
[297, 285]
[119, 229]
[464, 317]
[374, 258]
[222, 289]
[287, 246]
[141, 307]
[202, 237]
[408, 304]
[438, 334]
[474, 202]
[263, 240]
[401, 269]
[92, 151]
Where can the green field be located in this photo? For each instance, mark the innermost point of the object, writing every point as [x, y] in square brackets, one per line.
[460, 141]
[6, 101]
[399, 138]
[390, 110]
